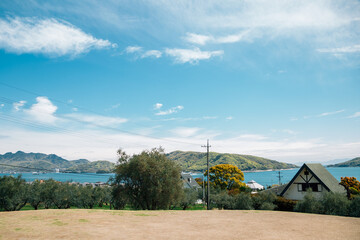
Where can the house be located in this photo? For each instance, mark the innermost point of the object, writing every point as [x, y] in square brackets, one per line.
[189, 181]
[311, 176]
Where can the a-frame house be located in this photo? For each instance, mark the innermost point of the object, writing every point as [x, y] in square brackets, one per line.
[313, 176]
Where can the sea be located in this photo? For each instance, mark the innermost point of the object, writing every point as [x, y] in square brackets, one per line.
[265, 178]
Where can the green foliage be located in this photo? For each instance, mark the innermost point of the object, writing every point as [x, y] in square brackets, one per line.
[189, 198]
[13, 193]
[283, 204]
[354, 208]
[264, 201]
[243, 201]
[223, 200]
[196, 161]
[35, 194]
[226, 176]
[151, 181]
[335, 204]
[310, 204]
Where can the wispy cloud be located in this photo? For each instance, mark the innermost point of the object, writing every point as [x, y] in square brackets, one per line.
[158, 106]
[152, 53]
[229, 118]
[133, 49]
[167, 112]
[51, 37]
[185, 131]
[96, 119]
[112, 107]
[355, 115]
[348, 49]
[331, 113]
[18, 105]
[191, 55]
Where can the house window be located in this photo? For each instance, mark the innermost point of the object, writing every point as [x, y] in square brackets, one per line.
[303, 187]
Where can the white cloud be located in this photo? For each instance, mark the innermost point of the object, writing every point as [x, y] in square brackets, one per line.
[229, 118]
[191, 55]
[46, 36]
[170, 111]
[158, 106]
[185, 131]
[2, 105]
[256, 137]
[18, 105]
[355, 115]
[152, 53]
[348, 49]
[133, 49]
[115, 106]
[96, 119]
[331, 113]
[197, 38]
[43, 110]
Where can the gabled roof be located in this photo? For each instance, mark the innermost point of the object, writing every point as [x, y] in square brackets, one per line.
[189, 184]
[321, 174]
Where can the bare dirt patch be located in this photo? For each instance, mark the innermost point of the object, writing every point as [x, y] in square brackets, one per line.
[102, 224]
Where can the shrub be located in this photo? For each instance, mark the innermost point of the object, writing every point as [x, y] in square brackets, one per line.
[223, 201]
[243, 201]
[335, 204]
[354, 208]
[309, 204]
[283, 204]
[264, 200]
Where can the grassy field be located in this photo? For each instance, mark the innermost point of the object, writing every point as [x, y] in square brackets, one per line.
[112, 224]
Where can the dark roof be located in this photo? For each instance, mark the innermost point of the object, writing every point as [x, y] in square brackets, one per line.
[277, 189]
[322, 175]
[189, 181]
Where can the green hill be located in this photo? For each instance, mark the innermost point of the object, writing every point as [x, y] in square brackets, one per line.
[351, 163]
[196, 161]
[37, 161]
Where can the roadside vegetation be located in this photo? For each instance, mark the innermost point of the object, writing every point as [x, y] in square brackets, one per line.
[150, 181]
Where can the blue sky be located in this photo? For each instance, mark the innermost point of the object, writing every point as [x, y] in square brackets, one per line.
[276, 79]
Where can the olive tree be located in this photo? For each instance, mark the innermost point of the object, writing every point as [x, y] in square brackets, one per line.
[150, 180]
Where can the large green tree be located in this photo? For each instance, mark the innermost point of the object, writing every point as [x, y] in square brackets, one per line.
[150, 180]
[13, 193]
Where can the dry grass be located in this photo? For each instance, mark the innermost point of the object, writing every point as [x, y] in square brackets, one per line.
[100, 224]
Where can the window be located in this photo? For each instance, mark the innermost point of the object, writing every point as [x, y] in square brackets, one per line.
[315, 187]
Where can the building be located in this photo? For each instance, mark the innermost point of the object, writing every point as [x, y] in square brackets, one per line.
[189, 181]
[254, 186]
[311, 176]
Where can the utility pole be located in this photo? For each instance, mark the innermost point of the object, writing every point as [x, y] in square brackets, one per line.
[208, 170]
[279, 176]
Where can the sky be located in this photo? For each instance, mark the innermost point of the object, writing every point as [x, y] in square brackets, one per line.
[276, 79]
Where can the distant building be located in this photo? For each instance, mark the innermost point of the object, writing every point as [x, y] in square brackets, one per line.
[310, 176]
[254, 186]
[189, 181]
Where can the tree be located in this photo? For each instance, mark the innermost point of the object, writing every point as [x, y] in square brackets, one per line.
[149, 179]
[226, 176]
[351, 185]
[35, 194]
[13, 193]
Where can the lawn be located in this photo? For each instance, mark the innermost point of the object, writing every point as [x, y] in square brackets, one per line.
[215, 224]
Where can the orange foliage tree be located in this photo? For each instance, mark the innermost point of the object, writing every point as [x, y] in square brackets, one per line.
[351, 185]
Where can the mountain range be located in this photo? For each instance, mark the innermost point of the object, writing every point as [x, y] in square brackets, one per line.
[351, 163]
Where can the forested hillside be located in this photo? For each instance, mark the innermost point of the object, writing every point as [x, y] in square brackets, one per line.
[196, 161]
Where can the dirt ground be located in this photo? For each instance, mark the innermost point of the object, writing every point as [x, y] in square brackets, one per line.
[215, 224]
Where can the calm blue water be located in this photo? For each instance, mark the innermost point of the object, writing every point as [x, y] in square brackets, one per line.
[263, 178]
[271, 177]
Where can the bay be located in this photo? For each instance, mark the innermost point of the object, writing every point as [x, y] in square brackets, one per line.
[265, 178]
